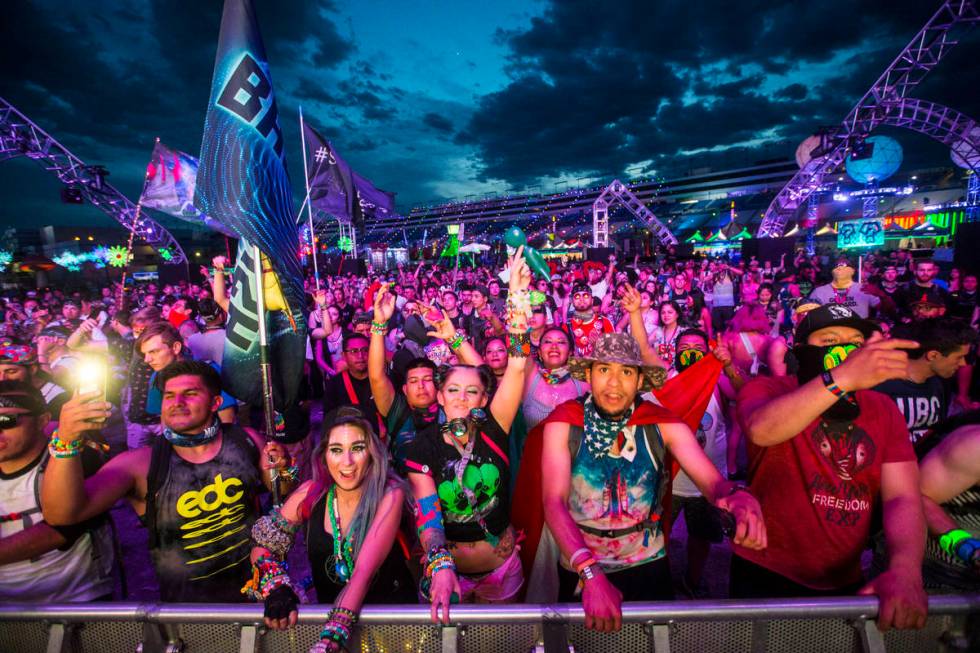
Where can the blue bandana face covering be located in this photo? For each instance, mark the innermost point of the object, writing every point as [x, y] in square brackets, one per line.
[196, 440]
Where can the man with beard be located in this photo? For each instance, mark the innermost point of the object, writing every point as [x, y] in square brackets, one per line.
[406, 412]
[585, 325]
[823, 453]
[921, 290]
[196, 489]
[604, 479]
[963, 302]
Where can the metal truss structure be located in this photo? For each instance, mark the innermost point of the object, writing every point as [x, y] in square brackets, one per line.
[618, 192]
[888, 102]
[21, 137]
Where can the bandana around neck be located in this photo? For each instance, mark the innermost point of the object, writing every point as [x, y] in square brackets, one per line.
[555, 376]
[182, 440]
[600, 432]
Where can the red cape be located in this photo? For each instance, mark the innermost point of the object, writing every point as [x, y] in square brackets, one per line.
[684, 397]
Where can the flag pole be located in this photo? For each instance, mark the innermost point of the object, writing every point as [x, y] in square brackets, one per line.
[306, 202]
[264, 366]
[132, 230]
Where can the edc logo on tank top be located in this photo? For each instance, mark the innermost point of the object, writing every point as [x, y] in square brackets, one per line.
[215, 507]
[848, 449]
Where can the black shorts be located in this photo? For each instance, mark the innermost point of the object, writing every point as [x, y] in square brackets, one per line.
[700, 517]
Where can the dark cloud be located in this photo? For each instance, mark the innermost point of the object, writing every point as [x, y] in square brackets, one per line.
[437, 122]
[593, 91]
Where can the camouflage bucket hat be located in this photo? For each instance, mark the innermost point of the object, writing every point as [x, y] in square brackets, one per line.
[619, 348]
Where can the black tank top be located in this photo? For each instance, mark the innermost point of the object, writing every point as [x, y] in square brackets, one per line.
[392, 583]
[204, 518]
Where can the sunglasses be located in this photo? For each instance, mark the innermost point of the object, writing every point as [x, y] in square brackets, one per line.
[358, 350]
[11, 420]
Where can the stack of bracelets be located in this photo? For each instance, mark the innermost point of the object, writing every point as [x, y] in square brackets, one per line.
[58, 448]
[267, 574]
[275, 533]
[379, 328]
[457, 340]
[336, 631]
[437, 559]
[960, 544]
[518, 306]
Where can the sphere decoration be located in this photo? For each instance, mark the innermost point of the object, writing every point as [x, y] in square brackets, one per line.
[345, 244]
[882, 156]
[804, 153]
[6, 258]
[965, 153]
[118, 256]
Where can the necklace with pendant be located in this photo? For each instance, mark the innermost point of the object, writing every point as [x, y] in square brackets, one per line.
[343, 548]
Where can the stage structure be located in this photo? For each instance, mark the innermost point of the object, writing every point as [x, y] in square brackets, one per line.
[888, 102]
[618, 192]
[21, 137]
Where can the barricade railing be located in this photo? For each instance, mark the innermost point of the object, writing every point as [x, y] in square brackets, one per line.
[777, 626]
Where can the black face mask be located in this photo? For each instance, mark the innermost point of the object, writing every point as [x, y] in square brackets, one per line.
[687, 358]
[814, 360]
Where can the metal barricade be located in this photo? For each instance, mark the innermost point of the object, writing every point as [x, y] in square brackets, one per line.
[773, 626]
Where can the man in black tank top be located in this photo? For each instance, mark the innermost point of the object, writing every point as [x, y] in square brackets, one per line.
[196, 489]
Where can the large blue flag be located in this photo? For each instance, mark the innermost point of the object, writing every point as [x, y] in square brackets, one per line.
[242, 182]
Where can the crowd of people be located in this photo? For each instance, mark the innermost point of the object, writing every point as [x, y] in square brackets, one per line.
[492, 436]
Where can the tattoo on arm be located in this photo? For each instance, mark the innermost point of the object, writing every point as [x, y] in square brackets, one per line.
[428, 521]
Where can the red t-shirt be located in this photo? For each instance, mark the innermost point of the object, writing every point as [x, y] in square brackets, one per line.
[587, 333]
[818, 489]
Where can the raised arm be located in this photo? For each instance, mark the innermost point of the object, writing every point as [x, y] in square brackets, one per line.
[508, 397]
[326, 325]
[631, 303]
[457, 341]
[381, 386]
[218, 283]
[67, 497]
[769, 421]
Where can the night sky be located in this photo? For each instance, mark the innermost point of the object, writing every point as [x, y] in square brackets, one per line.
[436, 100]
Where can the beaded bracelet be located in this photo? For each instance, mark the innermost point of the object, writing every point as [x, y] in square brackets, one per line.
[457, 341]
[519, 344]
[59, 448]
[267, 575]
[379, 327]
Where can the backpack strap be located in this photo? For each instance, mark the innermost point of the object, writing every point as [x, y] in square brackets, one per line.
[159, 469]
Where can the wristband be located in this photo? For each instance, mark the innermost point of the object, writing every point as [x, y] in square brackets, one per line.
[379, 327]
[59, 448]
[457, 341]
[571, 558]
[587, 572]
[830, 384]
[960, 543]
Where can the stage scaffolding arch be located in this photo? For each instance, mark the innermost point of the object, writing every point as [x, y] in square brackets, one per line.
[19, 136]
[617, 192]
[888, 102]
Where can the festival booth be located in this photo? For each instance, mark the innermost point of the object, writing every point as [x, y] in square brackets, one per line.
[568, 250]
